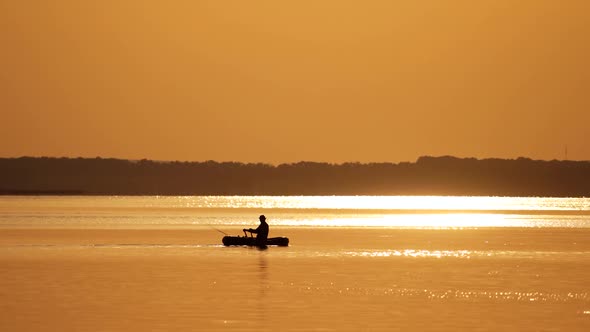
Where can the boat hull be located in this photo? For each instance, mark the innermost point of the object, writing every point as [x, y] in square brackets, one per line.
[251, 241]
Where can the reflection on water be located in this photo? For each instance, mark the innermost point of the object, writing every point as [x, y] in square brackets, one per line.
[262, 285]
[444, 220]
[457, 295]
[410, 203]
[324, 211]
[414, 253]
[354, 202]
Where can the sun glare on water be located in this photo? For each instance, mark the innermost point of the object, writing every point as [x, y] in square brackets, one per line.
[429, 211]
[312, 211]
[411, 203]
[450, 220]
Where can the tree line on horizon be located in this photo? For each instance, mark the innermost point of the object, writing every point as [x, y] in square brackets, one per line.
[427, 176]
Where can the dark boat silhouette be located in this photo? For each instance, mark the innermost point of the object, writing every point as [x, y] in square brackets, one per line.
[251, 241]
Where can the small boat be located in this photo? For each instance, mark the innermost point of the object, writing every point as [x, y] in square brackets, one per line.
[251, 241]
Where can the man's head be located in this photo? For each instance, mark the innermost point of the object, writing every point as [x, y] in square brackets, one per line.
[262, 218]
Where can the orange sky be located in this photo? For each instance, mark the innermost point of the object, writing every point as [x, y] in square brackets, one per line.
[282, 81]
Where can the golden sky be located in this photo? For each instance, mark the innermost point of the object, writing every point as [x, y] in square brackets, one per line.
[282, 81]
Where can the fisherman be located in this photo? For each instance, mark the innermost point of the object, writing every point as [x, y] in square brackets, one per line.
[261, 232]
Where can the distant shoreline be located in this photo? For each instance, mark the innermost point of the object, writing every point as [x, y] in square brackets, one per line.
[4, 192]
[440, 176]
[74, 193]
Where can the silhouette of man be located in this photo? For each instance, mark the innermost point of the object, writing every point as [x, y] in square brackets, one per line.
[261, 232]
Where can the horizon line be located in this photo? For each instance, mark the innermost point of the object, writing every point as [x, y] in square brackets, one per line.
[297, 162]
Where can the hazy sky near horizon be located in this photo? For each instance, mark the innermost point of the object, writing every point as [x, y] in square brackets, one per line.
[282, 81]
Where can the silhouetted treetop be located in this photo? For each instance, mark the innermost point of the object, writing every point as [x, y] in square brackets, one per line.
[429, 175]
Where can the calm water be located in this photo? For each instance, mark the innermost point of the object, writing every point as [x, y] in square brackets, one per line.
[354, 264]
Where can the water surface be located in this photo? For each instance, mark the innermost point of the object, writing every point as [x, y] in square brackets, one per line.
[354, 264]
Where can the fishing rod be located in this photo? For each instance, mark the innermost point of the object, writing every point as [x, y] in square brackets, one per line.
[219, 230]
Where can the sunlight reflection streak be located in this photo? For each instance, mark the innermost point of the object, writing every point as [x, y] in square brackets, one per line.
[413, 253]
[456, 294]
[448, 220]
[487, 203]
